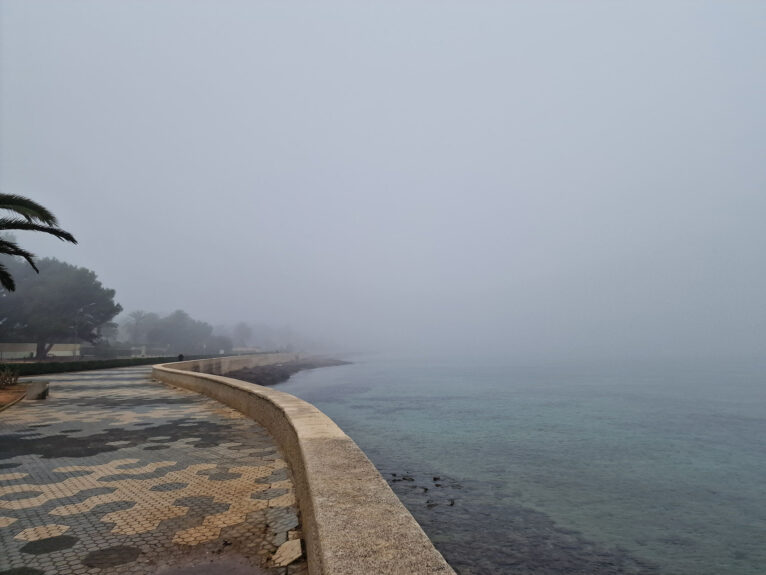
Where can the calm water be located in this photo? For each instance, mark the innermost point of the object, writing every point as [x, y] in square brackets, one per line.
[566, 469]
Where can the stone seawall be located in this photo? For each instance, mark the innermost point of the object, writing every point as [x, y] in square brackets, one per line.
[353, 523]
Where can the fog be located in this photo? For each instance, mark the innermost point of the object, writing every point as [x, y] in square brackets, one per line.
[531, 179]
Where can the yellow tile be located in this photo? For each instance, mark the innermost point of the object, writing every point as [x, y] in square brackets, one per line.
[42, 532]
[11, 476]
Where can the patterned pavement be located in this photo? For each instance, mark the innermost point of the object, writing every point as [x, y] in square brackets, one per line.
[115, 473]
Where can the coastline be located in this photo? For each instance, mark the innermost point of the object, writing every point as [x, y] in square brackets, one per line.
[276, 373]
[352, 520]
[462, 515]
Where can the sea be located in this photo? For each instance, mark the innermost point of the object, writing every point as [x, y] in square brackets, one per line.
[554, 468]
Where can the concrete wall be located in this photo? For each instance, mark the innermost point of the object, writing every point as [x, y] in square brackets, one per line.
[10, 351]
[353, 524]
[227, 364]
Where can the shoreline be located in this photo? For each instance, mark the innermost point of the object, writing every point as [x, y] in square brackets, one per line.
[274, 374]
[351, 519]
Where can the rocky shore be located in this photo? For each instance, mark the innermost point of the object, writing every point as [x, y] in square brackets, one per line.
[281, 372]
[476, 539]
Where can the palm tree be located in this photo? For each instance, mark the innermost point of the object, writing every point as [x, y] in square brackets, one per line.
[26, 215]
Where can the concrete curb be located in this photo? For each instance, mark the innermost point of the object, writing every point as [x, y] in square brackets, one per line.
[14, 402]
[353, 523]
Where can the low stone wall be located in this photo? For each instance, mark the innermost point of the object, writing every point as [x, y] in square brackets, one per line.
[352, 522]
[227, 364]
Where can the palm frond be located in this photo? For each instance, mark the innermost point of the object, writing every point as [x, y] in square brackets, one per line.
[9, 248]
[30, 210]
[20, 224]
[6, 280]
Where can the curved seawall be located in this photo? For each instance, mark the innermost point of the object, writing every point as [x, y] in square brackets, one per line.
[353, 524]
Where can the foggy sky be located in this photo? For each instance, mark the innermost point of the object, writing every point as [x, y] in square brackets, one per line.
[534, 179]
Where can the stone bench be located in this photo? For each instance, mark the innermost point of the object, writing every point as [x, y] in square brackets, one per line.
[36, 389]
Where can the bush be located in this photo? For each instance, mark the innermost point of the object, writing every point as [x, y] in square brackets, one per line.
[23, 369]
[8, 377]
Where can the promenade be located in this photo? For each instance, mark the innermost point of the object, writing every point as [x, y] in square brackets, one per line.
[115, 473]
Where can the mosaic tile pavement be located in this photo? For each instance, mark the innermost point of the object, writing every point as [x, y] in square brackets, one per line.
[115, 473]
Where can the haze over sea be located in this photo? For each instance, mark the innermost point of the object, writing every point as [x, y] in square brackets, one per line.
[520, 179]
[633, 467]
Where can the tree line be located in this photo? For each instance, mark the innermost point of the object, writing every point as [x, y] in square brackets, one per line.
[65, 303]
[48, 301]
[174, 333]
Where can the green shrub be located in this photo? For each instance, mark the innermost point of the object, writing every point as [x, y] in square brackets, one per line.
[23, 369]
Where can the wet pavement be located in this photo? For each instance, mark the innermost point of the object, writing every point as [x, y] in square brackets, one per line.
[115, 473]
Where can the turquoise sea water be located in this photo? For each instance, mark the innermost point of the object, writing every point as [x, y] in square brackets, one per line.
[621, 468]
